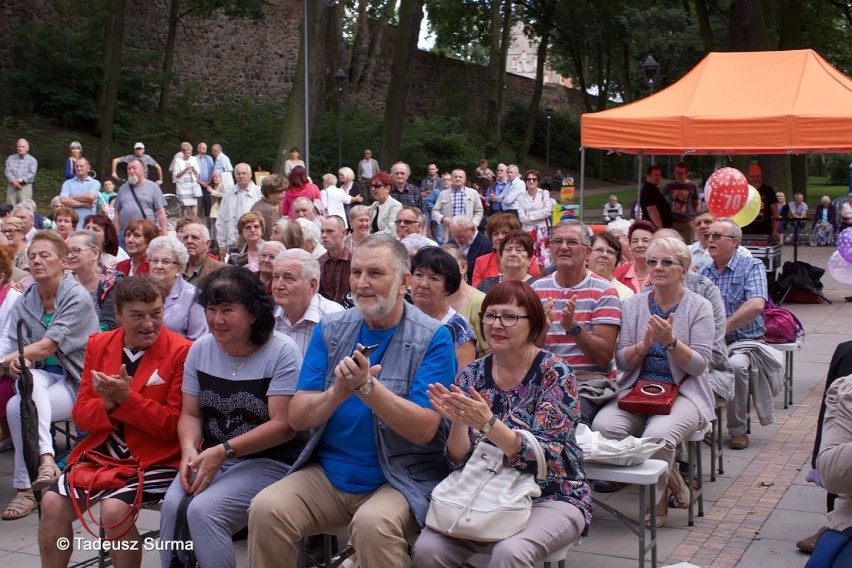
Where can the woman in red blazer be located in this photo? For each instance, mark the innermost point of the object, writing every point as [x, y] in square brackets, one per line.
[129, 402]
[137, 235]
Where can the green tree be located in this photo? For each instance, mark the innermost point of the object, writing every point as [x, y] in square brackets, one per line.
[113, 48]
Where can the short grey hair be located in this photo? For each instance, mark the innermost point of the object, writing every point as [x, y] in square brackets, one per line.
[310, 263]
[303, 199]
[587, 239]
[619, 227]
[75, 145]
[23, 206]
[54, 201]
[341, 224]
[169, 244]
[462, 222]
[358, 211]
[673, 246]
[90, 238]
[399, 258]
[346, 173]
[278, 245]
[205, 232]
[310, 230]
[402, 165]
[736, 232]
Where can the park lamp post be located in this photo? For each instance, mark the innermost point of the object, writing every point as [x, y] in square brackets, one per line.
[339, 78]
[549, 110]
[305, 33]
[650, 67]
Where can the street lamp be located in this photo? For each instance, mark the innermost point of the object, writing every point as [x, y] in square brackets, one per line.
[650, 68]
[340, 77]
[305, 34]
[549, 110]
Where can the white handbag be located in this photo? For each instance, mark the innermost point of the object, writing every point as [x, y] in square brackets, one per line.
[485, 501]
[626, 452]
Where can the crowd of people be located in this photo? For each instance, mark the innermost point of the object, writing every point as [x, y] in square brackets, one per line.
[338, 351]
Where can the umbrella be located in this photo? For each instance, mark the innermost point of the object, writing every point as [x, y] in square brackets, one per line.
[801, 282]
[29, 414]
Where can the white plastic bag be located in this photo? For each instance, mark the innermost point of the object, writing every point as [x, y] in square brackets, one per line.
[626, 452]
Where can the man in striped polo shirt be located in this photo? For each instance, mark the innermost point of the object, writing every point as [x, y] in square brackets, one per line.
[586, 315]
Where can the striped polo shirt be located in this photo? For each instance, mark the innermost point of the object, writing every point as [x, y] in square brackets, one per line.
[597, 303]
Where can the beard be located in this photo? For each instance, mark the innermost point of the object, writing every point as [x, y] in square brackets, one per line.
[383, 306]
[133, 179]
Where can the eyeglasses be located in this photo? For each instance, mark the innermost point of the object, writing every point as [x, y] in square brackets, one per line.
[604, 250]
[160, 261]
[532, 179]
[506, 320]
[664, 262]
[267, 256]
[77, 250]
[405, 222]
[559, 242]
[10, 231]
[717, 236]
[377, 185]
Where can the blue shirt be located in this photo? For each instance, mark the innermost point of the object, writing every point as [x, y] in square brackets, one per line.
[73, 187]
[347, 452]
[740, 280]
[496, 189]
[205, 168]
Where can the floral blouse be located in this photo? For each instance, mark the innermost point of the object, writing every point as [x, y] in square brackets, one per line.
[546, 404]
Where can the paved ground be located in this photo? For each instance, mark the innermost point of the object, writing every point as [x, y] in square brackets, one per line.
[754, 512]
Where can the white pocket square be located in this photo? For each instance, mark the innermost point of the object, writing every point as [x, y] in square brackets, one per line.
[155, 379]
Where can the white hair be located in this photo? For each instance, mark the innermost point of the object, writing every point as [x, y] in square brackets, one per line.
[310, 263]
[169, 244]
[310, 230]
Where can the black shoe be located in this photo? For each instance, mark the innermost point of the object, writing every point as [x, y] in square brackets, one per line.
[848, 298]
[314, 550]
[608, 486]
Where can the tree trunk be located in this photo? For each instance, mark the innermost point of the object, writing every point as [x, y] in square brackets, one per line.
[410, 18]
[363, 65]
[113, 47]
[533, 112]
[495, 68]
[168, 61]
[704, 29]
[505, 39]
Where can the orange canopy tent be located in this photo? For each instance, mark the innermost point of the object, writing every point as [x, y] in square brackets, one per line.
[765, 102]
[762, 102]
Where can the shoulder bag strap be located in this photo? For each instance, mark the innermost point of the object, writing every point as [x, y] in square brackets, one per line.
[541, 474]
[136, 199]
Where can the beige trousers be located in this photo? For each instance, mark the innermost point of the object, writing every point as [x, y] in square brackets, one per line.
[306, 503]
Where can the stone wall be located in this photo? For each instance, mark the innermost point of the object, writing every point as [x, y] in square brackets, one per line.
[227, 59]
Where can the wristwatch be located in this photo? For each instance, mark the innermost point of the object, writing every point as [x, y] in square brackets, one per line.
[230, 453]
[575, 331]
[672, 345]
[367, 387]
[489, 425]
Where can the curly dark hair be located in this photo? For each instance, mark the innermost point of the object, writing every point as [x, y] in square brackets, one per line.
[237, 285]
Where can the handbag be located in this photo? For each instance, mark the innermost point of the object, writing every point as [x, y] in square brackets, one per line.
[833, 550]
[627, 452]
[485, 501]
[649, 397]
[94, 471]
[196, 191]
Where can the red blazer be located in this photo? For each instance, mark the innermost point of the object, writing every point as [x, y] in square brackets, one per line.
[124, 266]
[150, 414]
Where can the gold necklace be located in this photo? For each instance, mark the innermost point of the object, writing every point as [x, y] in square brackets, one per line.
[237, 370]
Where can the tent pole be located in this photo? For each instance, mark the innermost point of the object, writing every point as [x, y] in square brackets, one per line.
[582, 179]
[639, 181]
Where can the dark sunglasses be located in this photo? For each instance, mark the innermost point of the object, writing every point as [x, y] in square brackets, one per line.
[377, 185]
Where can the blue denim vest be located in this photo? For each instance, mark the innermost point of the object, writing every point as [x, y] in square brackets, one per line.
[413, 470]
